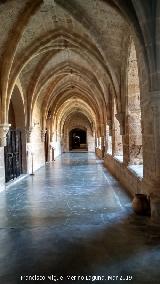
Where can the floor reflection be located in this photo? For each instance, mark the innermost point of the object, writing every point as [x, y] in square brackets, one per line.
[73, 218]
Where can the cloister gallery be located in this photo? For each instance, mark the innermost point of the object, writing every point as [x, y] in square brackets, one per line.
[81, 76]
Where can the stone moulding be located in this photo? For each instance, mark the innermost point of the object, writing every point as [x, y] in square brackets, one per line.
[43, 133]
[121, 118]
[28, 134]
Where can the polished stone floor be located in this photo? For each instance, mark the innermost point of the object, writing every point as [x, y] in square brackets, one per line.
[73, 219]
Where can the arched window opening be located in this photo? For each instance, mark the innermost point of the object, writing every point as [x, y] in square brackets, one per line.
[97, 142]
[134, 110]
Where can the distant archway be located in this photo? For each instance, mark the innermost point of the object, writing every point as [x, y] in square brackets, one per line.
[77, 139]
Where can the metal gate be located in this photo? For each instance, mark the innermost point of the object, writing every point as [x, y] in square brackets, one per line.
[13, 155]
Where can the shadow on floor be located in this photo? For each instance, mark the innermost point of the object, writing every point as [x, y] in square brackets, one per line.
[124, 246]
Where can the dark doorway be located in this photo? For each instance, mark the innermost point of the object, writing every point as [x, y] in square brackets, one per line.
[77, 139]
[13, 155]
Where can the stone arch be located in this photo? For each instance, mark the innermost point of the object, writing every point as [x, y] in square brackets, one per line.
[10, 52]
[17, 119]
[78, 120]
[41, 48]
[63, 88]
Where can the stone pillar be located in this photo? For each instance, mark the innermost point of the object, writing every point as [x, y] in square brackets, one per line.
[51, 153]
[109, 123]
[2, 169]
[109, 135]
[102, 138]
[43, 133]
[120, 116]
[151, 150]
[51, 148]
[155, 206]
[28, 134]
[119, 130]
[125, 140]
[51, 137]
[100, 129]
[103, 146]
[4, 128]
[151, 142]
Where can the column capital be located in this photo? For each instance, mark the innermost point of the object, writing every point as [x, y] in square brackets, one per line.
[4, 128]
[28, 132]
[120, 116]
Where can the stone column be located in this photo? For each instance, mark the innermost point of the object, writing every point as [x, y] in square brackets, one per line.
[43, 133]
[151, 142]
[120, 116]
[51, 148]
[109, 123]
[103, 138]
[151, 150]
[51, 137]
[28, 134]
[109, 137]
[4, 128]
[119, 130]
[103, 146]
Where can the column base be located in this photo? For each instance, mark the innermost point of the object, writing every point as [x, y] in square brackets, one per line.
[141, 204]
[155, 206]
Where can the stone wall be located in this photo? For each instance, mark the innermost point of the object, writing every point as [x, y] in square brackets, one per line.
[131, 181]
